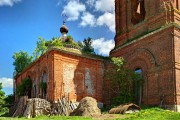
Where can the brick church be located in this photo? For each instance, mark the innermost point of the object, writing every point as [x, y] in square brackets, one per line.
[147, 37]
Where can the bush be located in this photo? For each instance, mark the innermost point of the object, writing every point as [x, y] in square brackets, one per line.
[24, 87]
[121, 82]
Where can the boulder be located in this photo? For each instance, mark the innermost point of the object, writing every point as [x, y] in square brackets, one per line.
[87, 107]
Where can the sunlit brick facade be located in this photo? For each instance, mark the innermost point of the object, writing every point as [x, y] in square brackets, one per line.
[67, 74]
[148, 37]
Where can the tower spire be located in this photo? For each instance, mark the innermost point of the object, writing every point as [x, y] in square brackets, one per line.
[64, 29]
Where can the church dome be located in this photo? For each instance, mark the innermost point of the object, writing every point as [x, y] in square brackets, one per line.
[64, 29]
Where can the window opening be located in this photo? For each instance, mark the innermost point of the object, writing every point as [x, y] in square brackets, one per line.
[137, 11]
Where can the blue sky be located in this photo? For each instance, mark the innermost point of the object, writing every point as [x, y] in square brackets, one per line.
[23, 21]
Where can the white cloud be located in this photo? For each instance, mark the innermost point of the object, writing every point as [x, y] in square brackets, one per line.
[6, 82]
[73, 9]
[87, 19]
[107, 19]
[105, 5]
[8, 2]
[103, 46]
[90, 2]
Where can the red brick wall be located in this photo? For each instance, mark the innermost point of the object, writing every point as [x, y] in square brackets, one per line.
[177, 62]
[35, 72]
[154, 55]
[150, 45]
[70, 75]
[84, 76]
[155, 18]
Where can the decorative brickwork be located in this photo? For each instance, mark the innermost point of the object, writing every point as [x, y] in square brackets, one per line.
[152, 45]
[147, 37]
[71, 75]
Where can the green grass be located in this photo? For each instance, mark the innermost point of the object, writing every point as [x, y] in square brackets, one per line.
[145, 114]
[154, 114]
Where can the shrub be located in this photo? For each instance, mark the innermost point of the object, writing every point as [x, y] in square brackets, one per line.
[24, 87]
[121, 82]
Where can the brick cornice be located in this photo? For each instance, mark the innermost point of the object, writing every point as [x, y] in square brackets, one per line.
[58, 50]
[169, 26]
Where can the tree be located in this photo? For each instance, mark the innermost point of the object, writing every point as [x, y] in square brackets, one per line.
[87, 45]
[121, 81]
[21, 61]
[80, 44]
[9, 99]
[2, 96]
[41, 47]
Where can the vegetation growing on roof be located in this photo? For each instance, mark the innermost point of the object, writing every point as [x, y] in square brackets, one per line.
[23, 59]
[43, 45]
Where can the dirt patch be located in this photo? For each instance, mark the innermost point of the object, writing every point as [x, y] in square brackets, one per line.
[87, 107]
[108, 116]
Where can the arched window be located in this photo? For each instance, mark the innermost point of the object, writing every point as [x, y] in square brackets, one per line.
[44, 77]
[34, 87]
[139, 71]
[137, 11]
[137, 87]
[44, 85]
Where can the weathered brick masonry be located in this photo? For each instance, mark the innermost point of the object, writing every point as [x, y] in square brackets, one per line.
[153, 45]
[148, 37]
[68, 74]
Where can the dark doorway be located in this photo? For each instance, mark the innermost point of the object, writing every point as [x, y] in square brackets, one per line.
[29, 88]
[138, 86]
[34, 88]
[44, 85]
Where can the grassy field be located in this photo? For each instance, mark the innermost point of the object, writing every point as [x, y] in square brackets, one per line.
[145, 114]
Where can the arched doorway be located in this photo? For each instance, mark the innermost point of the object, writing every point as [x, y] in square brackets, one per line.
[137, 87]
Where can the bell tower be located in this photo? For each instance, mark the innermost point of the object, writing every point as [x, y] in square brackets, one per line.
[148, 38]
[135, 18]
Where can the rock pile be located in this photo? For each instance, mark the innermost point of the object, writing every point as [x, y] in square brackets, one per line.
[36, 107]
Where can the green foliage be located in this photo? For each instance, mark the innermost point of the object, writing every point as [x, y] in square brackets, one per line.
[9, 99]
[121, 80]
[41, 47]
[57, 43]
[21, 61]
[70, 39]
[119, 62]
[24, 87]
[80, 44]
[70, 45]
[2, 96]
[43, 85]
[87, 46]
[144, 114]
[154, 114]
